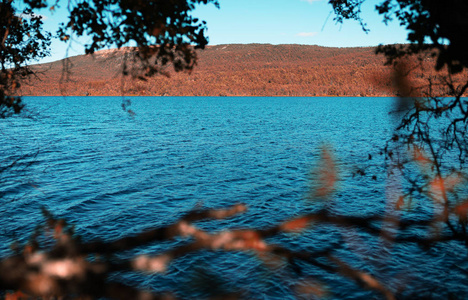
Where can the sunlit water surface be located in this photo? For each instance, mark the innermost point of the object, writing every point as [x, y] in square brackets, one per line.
[114, 174]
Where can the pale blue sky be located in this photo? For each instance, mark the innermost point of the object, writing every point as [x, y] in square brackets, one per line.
[307, 22]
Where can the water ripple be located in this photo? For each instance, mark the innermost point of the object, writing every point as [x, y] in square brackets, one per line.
[114, 175]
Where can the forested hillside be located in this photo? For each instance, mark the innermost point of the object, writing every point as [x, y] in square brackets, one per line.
[235, 70]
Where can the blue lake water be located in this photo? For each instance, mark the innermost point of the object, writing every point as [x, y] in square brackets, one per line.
[114, 174]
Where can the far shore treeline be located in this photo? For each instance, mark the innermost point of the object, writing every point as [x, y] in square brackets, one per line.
[237, 70]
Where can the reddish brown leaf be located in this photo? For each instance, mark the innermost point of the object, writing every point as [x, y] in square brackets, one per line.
[18, 295]
[325, 177]
[296, 224]
[311, 288]
[400, 202]
[462, 210]
[420, 157]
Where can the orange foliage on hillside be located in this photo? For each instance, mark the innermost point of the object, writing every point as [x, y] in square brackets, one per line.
[242, 70]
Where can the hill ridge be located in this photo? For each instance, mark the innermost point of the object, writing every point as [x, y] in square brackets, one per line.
[228, 70]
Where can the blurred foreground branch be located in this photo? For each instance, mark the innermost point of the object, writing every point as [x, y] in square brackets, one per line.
[56, 263]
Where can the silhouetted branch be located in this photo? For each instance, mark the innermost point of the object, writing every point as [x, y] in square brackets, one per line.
[159, 234]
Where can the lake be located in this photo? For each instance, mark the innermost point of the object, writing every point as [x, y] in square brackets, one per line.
[113, 174]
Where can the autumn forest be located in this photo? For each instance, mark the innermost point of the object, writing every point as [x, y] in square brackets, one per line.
[242, 70]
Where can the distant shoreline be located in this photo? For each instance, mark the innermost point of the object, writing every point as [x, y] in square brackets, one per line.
[254, 70]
